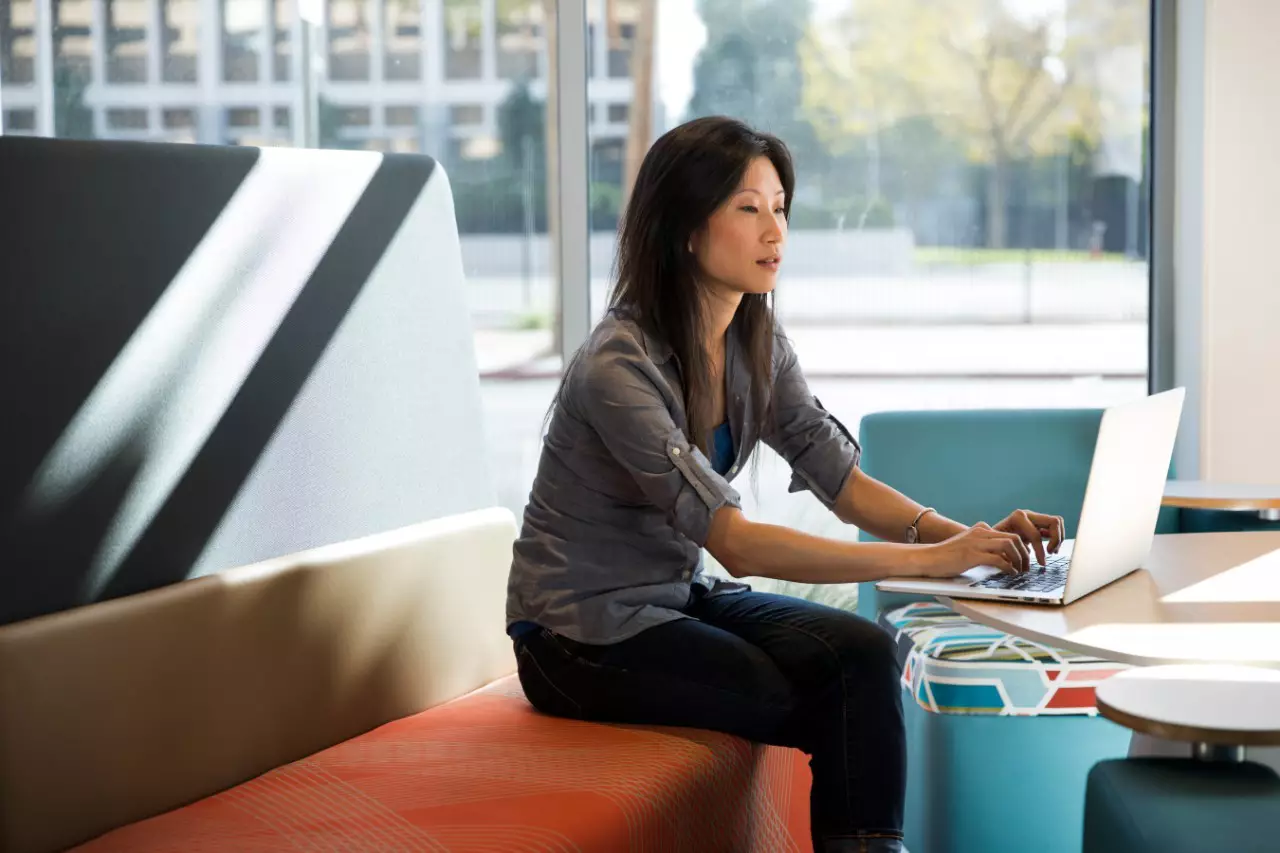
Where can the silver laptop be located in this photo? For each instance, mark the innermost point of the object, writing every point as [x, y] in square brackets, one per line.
[1117, 520]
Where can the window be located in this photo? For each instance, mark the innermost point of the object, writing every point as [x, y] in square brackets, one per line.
[126, 41]
[970, 187]
[621, 26]
[72, 46]
[281, 33]
[17, 42]
[348, 40]
[127, 119]
[180, 28]
[462, 23]
[356, 117]
[402, 116]
[179, 119]
[403, 40]
[19, 121]
[181, 125]
[520, 41]
[280, 117]
[463, 115]
[241, 117]
[242, 27]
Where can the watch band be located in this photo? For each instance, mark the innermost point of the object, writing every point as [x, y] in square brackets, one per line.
[913, 529]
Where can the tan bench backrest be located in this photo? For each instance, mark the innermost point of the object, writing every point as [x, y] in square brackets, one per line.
[121, 710]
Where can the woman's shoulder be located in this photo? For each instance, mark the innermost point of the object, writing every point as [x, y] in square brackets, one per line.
[620, 336]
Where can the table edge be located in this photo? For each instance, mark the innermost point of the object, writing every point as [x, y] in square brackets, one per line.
[1231, 504]
[961, 606]
[1186, 733]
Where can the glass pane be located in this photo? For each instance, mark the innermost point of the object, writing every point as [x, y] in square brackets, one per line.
[348, 39]
[520, 38]
[622, 17]
[402, 116]
[17, 41]
[969, 225]
[282, 35]
[72, 68]
[19, 122]
[242, 31]
[462, 24]
[403, 40]
[127, 119]
[126, 41]
[181, 39]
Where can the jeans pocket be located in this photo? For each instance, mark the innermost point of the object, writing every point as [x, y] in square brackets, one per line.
[543, 693]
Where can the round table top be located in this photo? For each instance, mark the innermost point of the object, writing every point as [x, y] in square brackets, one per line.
[1208, 703]
[1199, 494]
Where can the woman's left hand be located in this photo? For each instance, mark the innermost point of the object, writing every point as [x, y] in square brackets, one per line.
[1034, 528]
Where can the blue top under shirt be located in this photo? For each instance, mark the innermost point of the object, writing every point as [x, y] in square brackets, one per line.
[722, 459]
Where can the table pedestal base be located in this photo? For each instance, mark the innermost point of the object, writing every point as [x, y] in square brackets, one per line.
[1146, 746]
[1217, 752]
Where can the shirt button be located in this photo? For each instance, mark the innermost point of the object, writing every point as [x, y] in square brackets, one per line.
[688, 574]
[675, 451]
[733, 470]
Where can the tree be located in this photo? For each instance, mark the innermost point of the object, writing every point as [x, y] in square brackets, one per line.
[71, 118]
[750, 68]
[1006, 80]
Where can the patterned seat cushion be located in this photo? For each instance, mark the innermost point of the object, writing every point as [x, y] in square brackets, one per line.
[956, 666]
[488, 773]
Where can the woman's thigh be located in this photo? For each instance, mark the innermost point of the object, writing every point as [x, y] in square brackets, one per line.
[812, 643]
[682, 673]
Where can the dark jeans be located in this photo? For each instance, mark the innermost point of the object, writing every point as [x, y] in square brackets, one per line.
[770, 668]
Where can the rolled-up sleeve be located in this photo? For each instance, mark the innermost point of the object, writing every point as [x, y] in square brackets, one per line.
[822, 453]
[618, 397]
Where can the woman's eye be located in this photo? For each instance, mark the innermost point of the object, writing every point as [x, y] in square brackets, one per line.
[781, 210]
[748, 208]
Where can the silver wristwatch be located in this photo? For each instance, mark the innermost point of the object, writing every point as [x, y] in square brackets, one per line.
[913, 529]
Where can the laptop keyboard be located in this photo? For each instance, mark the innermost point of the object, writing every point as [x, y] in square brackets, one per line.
[1049, 578]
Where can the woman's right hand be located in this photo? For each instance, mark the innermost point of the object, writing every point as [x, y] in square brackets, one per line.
[980, 545]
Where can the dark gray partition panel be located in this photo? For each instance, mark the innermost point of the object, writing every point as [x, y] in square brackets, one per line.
[210, 356]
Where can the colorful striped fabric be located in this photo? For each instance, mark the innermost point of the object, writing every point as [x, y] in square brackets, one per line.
[956, 666]
[488, 773]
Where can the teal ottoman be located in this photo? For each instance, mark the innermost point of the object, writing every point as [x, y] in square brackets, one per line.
[1001, 735]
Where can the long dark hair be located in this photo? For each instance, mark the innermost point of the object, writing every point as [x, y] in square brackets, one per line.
[686, 176]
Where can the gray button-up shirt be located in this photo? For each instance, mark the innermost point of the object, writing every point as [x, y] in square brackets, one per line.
[622, 502]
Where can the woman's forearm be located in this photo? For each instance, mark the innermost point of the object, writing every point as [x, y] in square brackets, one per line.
[885, 513]
[751, 549]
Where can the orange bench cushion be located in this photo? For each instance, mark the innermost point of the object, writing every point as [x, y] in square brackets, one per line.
[488, 773]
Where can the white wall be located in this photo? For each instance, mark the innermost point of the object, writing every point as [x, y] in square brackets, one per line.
[1227, 265]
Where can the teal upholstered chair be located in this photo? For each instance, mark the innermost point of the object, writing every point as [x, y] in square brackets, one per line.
[1169, 805]
[981, 779]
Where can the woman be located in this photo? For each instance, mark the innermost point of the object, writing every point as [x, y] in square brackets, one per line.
[610, 613]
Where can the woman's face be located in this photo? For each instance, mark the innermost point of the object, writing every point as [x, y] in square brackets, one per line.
[740, 247]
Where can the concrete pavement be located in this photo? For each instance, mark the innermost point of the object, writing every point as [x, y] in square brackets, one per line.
[1111, 350]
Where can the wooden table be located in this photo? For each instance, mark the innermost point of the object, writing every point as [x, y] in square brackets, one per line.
[1202, 598]
[1198, 494]
[1218, 709]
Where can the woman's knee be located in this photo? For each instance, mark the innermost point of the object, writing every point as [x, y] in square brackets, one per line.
[867, 648]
